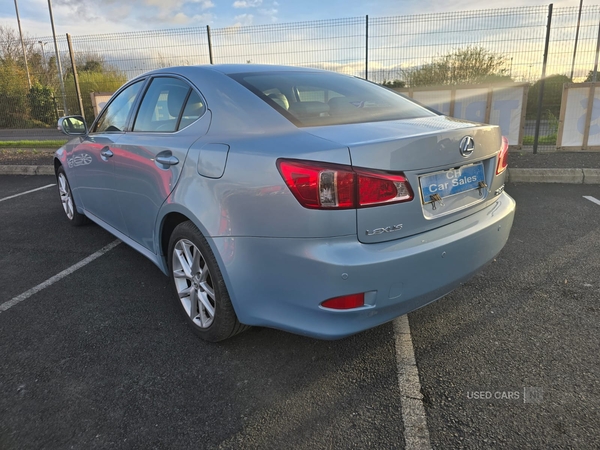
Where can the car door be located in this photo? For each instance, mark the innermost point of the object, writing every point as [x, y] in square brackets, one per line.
[150, 157]
[91, 165]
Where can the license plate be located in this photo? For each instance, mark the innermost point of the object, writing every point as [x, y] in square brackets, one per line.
[451, 182]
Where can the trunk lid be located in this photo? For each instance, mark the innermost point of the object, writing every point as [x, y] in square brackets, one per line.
[426, 151]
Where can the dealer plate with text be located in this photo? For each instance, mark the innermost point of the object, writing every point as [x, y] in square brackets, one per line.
[451, 182]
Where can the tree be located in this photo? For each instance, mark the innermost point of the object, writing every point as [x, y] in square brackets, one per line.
[87, 62]
[20, 105]
[106, 80]
[590, 76]
[553, 87]
[10, 46]
[470, 65]
[13, 95]
[41, 104]
[393, 84]
[95, 75]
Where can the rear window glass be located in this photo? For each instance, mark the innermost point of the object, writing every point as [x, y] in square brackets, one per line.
[324, 98]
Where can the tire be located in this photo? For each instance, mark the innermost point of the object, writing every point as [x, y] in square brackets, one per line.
[199, 286]
[67, 200]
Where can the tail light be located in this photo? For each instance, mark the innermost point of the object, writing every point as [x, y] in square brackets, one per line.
[502, 157]
[345, 302]
[331, 186]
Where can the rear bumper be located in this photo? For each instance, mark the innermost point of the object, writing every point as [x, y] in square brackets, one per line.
[281, 283]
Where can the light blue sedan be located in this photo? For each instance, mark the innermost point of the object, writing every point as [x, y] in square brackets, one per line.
[286, 197]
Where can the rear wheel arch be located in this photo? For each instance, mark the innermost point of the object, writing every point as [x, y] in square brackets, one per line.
[169, 223]
[57, 165]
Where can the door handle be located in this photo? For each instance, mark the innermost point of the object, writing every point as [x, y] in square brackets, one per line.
[166, 159]
[106, 153]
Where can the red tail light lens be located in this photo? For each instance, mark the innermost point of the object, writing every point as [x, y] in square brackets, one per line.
[502, 157]
[345, 302]
[375, 189]
[331, 186]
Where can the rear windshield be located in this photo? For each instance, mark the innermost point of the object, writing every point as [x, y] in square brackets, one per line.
[327, 98]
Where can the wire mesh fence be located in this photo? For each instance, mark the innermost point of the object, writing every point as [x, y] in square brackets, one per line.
[456, 48]
[337, 45]
[403, 45]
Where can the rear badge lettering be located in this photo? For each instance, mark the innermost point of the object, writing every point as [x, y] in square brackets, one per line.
[389, 229]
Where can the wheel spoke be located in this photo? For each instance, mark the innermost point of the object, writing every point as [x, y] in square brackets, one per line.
[204, 282]
[61, 185]
[210, 310]
[187, 251]
[184, 263]
[194, 307]
[186, 292]
[209, 290]
[70, 207]
[196, 261]
[179, 273]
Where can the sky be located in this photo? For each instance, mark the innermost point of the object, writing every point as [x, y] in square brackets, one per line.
[84, 17]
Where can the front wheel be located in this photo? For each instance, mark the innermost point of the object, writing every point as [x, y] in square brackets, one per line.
[66, 199]
[199, 285]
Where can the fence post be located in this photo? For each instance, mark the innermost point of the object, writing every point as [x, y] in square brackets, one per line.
[58, 63]
[576, 39]
[591, 95]
[367, 47]
[23, 45]
[75, 76]
[210, 55]
[542, 82]
[595, 75]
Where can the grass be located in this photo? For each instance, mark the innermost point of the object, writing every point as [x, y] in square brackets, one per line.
[33, 144]
[542, 140]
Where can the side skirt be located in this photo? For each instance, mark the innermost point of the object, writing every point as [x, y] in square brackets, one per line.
[156, 259]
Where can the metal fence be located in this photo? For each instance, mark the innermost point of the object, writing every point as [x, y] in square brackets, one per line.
[401, 50]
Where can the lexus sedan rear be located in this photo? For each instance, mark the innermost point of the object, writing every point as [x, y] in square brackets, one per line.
[285, 197]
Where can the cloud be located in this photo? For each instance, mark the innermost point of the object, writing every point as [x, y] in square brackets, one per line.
[180, 19]
[121, 10]
[133, 14]
[271, 13]
[247, 3]
[205, 4]
[79, 9]
[167, 17]
[243, 20]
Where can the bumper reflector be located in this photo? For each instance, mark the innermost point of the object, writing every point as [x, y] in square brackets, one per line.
[345, 302]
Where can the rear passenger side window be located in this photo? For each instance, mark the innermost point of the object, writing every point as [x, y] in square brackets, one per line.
[194, 109]
[161, 108]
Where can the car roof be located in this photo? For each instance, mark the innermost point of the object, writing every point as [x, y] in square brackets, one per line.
[228, 69]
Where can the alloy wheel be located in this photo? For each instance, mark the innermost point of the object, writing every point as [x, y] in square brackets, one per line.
[193, 283]
[65, 195]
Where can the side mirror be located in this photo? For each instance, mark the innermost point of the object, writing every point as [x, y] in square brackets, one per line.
[72, 125]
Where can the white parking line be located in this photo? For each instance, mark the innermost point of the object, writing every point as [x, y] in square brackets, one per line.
[592, 199]
[27, 192]
[50, 281]
[416, 434]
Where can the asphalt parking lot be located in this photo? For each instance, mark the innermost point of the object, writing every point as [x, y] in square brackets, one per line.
[102, 358]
